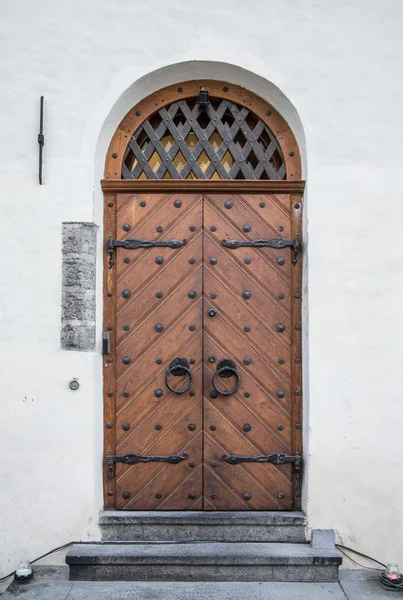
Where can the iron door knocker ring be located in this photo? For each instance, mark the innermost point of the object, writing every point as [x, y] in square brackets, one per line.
[179, 367]
[226, 368]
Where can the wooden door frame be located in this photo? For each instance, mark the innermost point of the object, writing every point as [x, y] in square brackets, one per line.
[112, 186]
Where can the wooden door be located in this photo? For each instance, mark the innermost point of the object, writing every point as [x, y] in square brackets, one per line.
[205, 302]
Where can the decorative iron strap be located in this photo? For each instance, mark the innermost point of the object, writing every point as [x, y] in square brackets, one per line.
[133, 459]
[182, 131]
[275, 459]
[273, 243]
[132, 244]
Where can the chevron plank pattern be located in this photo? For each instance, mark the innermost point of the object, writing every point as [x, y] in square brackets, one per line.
[164, 296]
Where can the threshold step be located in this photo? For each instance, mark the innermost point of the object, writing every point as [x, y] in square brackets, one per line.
[225, 526]
[210, 561]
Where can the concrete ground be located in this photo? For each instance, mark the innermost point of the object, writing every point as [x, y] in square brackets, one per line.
[51, 583]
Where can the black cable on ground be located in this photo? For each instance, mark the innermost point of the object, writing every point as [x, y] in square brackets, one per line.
[388, 584]
[342, 548]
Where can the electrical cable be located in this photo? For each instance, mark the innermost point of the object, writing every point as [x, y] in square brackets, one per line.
[388, 584]
[341, 548]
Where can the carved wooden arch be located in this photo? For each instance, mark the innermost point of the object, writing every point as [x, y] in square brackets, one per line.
[190, 89]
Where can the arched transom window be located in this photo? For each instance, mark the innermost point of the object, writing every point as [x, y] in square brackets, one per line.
[217, 139]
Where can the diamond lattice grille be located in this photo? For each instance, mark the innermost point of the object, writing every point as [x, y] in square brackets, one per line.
[223, 141]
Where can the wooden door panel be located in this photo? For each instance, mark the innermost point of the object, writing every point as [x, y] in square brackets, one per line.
[163, 300]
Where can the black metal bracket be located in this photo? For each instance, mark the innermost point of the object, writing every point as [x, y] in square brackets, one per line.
[41, 141]
[133, 459]
[132, 244]
[273, 243]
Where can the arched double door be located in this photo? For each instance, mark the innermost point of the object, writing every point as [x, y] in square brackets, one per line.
[202, 305]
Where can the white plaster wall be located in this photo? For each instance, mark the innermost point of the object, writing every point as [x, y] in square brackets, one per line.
[338, 63]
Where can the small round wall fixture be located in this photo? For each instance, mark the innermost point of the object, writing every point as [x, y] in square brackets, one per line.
[74, 384]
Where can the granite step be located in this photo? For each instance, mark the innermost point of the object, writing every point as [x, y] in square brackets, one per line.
[203, 526]
[209, 561]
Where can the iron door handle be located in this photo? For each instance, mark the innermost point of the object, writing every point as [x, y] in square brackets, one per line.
[226, 368]
[179, 367]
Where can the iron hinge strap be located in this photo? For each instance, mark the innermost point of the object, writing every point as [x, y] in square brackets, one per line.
[133, 244]
[272, 243]
[275, 459]
[133, 459]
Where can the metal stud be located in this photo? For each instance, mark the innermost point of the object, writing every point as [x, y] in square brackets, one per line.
[109, 360]
[126, 495]
[126, 360]
[143, 204]
[125, 426]
[192, 427]
[192, 294]
[247, 360]
[138, 113]
[291, 153]
[192, 361]
[192, 228]
[192, 261]
[280, 327]
[213, 228]
[192, 327]
[297, 326]
[297, 205]
[126, 260]
[158, 427]
[297, 425]
[109, 328]
[177, 203]
[213, 464]
[247, 496]
[262, 204]
[191, 465]
[213, 496]
[158, 393]
[281, 261]
[280, 394]
[192, 393]
[213, 395]
[298, 360]
[246, 295]
[192, 495]
[159, 295]
[159, 260]
[180, 90]
[281, 296]
[125, 394]
[281, 495]
[159, 327]
[281, 228]
[246, 394]
[212, 358]
[126, 327]
[213, 295]
[126, 227]
[280, 427]
[228, 204]
[247, 427]
[213, 261]
[109, 394]
[109, 294]
[246, 328]
[247, 261]
[110, 204]
[281, 361]
[109, 425]
[158, 496]
[159, 228]
[159, 361]
[110, 493]
[297, 392]
[246, 228]
[126, 294]
[213, 427]
[297, 295]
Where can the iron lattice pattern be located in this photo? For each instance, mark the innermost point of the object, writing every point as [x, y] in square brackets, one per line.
[222, 141]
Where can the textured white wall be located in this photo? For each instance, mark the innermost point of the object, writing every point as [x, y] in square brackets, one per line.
[338, 62]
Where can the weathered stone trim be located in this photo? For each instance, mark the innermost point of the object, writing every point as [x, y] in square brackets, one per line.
[78, 286]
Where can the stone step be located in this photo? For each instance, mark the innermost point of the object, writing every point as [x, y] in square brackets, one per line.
[210, 561]
[202, 526]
